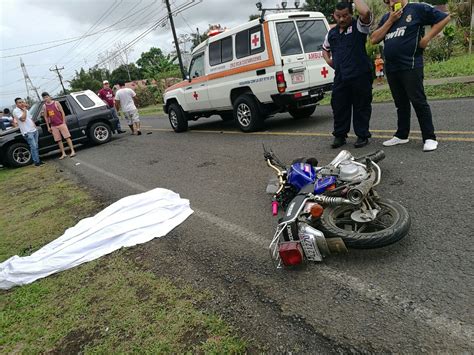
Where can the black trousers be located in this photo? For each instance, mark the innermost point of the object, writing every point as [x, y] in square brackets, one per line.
[407, 86]
[352, 97]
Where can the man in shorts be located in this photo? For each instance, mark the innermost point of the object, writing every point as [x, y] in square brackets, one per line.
[55, 118]
[126, 99]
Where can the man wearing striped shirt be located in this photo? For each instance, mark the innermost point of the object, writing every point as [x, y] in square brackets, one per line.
[402, 30]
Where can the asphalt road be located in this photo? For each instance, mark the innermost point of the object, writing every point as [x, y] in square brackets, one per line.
[413, 296]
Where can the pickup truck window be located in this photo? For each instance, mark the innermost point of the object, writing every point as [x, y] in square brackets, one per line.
[288, 38]
[312, 35]
[196, 68]
[85, 101]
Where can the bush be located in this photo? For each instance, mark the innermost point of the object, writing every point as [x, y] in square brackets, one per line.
[145, 96]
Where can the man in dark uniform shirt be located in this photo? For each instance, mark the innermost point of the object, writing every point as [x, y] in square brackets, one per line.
[402, 30]
[344, 50]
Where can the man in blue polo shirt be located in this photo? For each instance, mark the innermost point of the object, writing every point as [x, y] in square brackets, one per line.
[402, 30]
[344, 50]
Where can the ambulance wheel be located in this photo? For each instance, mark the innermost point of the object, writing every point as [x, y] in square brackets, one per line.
[247, 113]
[304, 112]
[178, 119]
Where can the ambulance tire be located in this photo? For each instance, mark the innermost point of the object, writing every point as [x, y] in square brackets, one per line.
[177, 117]
[247, 113]
[302, 112]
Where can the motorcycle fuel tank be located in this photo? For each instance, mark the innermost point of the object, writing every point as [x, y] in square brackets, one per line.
[301, 174]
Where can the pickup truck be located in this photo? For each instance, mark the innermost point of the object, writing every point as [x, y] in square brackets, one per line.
[87, 118]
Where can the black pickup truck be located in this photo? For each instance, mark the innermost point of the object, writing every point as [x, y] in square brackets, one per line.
[87, 118]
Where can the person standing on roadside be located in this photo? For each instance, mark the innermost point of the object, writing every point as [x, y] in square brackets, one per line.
[402, 30]
[379, 68]
[27, 128]
[344, 51]
[7, 122]
[107, 95]
[126, 99]
[56, 122]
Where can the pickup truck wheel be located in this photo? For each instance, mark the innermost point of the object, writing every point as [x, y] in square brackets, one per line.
[18, 155]
[178, 119]
[247, 113]
[100, 133]
[302, 112]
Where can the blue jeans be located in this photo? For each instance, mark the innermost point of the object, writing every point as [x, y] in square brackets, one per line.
[115, 115]
[32, 140]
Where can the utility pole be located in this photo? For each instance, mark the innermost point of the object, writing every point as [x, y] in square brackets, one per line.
[56, 69]
[176, 43]
[29, 85]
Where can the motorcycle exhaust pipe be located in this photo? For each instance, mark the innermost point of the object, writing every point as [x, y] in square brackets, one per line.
[357, 194]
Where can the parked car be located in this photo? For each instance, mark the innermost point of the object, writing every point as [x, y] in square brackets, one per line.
[268, 65]
[87, 118]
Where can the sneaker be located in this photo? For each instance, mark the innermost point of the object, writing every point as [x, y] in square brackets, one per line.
[139, 133]
[430, 145]
[338, 142]
[120, 131]
[394, 141]
[361, 142]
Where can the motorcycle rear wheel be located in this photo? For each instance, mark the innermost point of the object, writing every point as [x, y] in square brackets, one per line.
[391, 224]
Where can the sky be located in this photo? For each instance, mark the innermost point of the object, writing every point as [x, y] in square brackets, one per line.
[34, 25]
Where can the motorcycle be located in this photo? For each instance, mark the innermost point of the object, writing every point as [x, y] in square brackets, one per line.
[330, 208]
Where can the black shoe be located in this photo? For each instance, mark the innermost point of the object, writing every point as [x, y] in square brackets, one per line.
[139, 133]
[120, 131]
[338, 142]
[361, 142]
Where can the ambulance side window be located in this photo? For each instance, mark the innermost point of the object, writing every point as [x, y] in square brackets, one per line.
[312, 35]
[221, 51]
[196, 69]
[288, 38]
[249, 42]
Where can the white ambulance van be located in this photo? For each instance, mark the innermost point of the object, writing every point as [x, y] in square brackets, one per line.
[268, 65]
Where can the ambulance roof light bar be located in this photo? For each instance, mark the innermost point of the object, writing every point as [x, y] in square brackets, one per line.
[283, 7]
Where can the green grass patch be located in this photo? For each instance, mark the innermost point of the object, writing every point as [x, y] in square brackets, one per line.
[455, 66]
[152, 110]
[444, 91]
[108, 305]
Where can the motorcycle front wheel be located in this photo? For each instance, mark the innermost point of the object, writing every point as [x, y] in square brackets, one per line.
[391, 224]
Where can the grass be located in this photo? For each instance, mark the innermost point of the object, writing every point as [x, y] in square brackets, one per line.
[108, 305]
[456, 66]
[435, 92]
[152, 110]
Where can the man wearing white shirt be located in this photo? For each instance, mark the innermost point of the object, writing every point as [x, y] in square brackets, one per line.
[27, 128]
[125, 99]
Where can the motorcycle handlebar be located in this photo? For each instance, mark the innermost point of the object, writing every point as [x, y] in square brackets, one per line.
[375, 157]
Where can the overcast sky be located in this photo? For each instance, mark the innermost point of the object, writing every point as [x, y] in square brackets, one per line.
[27, 24]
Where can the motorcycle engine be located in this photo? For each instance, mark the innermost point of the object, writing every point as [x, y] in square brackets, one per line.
[350, 172]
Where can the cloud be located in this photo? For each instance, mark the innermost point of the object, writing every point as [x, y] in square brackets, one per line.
[29, 22]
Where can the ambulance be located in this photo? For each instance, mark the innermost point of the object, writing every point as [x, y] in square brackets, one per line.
[268, 65]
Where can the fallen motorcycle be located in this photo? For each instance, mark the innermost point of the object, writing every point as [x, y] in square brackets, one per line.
[330, 208]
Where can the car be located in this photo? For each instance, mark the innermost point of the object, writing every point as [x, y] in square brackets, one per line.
[268, 65]
[87, 118]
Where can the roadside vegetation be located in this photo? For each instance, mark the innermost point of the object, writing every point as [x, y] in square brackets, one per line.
[108, 305]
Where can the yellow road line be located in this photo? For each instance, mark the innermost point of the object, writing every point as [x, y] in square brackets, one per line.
[312, 134]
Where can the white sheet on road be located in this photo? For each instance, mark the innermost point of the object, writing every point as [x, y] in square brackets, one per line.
[132, 220]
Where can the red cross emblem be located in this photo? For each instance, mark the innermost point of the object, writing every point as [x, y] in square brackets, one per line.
[195, 95]
[255, 40]
[324, 72]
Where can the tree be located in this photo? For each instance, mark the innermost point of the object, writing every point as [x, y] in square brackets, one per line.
[254, 17]
[85, 81]
[125, 73]
[153, 63]
[324, 6]
[197, 38]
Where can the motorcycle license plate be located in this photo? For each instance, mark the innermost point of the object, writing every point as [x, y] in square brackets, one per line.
[297, 78]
